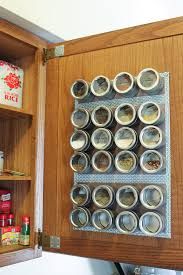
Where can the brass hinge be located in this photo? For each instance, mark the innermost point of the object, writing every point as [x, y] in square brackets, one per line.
[53, 53]
[39, 238]
[50, 241]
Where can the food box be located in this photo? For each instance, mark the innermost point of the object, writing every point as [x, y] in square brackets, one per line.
[9, 235]
[11, 84]
[5, 201]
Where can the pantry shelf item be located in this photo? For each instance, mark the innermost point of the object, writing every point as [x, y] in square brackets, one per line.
[126, 161]
[126, 138]
[125, 114]
[126, 222]
[79, 162]
[102, 139]
[150, 113]
[101, 87]
[80, 194]
[152, 161]
[151, 137]
[1, 162]
[102, 116]
[151, 197]
[150, 81]
[80, 89]
[102, 161]
[103, 196]
[124, 84]
[25, 231]
[80, 217]
[80, 140]
[102, 219]
[127, 197]
[151, 223]
[80, 118]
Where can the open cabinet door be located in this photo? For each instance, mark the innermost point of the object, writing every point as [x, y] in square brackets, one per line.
[157, 45]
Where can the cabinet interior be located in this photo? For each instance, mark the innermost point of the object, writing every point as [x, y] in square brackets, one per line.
[18, 136]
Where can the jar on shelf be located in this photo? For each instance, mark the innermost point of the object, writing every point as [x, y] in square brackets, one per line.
[127, 197]
[126, 138]
[103, 196]
[80, 194]
[126, 222]
[80, 119]
[102, 161]
[3, 220]
[151, 223]
[151, 137]
[126, 162]
[125, 114]
[102, 219]
[150, 81]
[80, 140]
[125, 84]
[101, 116]
[1, 162]
[151, 197]
[80, 217]
[10, 218]
[152, 161]
[79, 162]
[80, 89]
[150, 113]
[102, 139]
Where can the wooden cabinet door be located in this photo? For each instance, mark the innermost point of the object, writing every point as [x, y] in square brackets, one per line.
[158, 45]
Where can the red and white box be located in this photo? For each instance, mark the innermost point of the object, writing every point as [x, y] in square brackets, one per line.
[5, 201]
[11, 84]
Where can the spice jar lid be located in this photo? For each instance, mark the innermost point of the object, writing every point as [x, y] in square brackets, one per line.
[10, 216]
[25, 219]
[123, 82]
[100, 85]
[3, 216]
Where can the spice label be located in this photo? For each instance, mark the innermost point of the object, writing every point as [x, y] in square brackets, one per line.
[24, 239]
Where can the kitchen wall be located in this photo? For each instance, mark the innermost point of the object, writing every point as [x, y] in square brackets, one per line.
[68, 19]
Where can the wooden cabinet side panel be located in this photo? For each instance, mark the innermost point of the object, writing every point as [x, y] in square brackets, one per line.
[162, 54]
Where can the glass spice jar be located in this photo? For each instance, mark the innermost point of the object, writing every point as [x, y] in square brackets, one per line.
[3, 220]
[10, 219]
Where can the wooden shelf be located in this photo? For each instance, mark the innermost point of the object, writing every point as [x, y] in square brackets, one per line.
[6, 176]
[11, 248]
[12, 112]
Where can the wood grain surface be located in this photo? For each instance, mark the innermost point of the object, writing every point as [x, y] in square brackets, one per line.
[162, 54]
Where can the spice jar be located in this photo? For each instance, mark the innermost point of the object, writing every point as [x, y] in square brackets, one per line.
[151, 137]
[80, 194]
[101, 87]
[126, 162]
[150, 113]
[151, 223]
[80, 118]
[10, 219]
[79, 162]
[3, 220]
[102, 139]
[152, 161]
[25, 231]
[80, 89]
[103, 196]
[1, 162]
[151, 197]
[102, 116]
[80, 141]
[102, 161]
[124, 84]
[125, 138]
[127, 196]
[80, 217]
[102, 219]
[150, 81]
[126, 222]
[125, 114]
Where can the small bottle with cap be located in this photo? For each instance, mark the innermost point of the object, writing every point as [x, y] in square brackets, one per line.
[25, 231]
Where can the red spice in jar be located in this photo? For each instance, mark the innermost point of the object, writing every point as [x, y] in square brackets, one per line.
[10, 220]
[3, 220]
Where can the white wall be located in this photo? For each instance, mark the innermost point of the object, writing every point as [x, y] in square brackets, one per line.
[70, 19]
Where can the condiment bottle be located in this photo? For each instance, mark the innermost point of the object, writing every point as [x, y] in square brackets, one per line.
[10, 219]
[25, 231]
[3, 220]
[1, 162]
